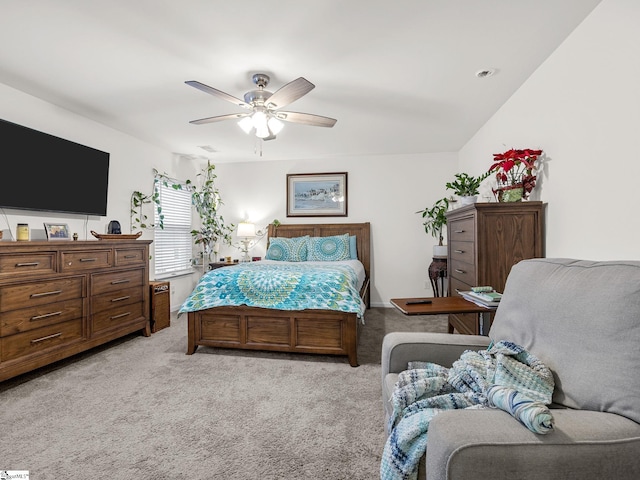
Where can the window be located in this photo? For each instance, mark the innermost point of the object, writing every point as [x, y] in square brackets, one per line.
[173, 243]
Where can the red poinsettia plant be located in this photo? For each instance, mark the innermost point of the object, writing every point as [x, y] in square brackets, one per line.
[515, 167]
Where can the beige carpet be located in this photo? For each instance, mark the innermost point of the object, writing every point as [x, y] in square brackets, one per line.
[142, 409]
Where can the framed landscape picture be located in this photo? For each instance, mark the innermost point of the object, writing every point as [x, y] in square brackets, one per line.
[317, 194]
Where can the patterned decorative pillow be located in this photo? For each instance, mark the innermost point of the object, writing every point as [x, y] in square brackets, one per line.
[328, 249]
[287, 249]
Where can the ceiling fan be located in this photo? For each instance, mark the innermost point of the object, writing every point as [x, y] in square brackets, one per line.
[264, 115]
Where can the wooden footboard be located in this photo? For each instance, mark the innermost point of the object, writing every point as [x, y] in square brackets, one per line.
[252, 328]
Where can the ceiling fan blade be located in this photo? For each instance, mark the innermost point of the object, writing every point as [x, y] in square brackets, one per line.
[219, 118]
[289, 93]
[218, 93]
[306, 119]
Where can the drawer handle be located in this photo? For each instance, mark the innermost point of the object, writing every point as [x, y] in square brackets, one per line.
[459, 251]
[130, 256]
[88, 259]
[458, 231]
[116, 282]
[28, 264]
[48, 337]
[457, 270]
[119, 299]
[115, 317]
[46, 315]
[44, 294]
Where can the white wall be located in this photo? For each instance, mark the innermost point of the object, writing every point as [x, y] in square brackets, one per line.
[582, 107]
[385, 191]
[130, 168]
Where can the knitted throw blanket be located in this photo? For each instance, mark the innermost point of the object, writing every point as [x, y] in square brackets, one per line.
[504, 376]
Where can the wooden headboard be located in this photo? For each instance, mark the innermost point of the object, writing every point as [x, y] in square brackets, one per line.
[360, 230]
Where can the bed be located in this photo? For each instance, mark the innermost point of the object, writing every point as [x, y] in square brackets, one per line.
[269, 328]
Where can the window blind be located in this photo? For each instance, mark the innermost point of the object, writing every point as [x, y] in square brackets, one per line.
[173, 243]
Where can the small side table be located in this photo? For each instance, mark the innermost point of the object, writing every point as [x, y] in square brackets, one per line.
[444, 305]
[438, 276]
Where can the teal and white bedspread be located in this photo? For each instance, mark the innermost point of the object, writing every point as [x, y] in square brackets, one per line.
[282, 286]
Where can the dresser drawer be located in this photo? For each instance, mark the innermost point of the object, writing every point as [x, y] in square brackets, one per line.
[462, 252]
[465, 323]
[458, 286]
[86, 259]
[110, 300]
[26, 319]
[130, 256]
[41, 339]
[462, 230]
[117, 316]
[114, 281]
[25, 295]
[14, 265]
[465, 272]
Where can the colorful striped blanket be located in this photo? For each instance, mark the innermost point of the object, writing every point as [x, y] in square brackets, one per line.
[504, 376]
[279, 285]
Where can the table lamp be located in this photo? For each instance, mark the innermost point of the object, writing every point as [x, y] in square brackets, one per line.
[246, 231]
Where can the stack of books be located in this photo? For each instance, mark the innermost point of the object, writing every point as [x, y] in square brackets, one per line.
[483, 298]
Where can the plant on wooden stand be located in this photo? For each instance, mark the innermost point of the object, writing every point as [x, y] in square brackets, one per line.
[435, 222]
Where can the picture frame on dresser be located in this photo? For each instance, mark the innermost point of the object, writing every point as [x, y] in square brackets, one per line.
[57, 231]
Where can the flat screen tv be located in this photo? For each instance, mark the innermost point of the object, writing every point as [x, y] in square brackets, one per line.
[43, 172]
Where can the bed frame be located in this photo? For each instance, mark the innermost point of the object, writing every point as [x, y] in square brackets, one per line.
[324, 332]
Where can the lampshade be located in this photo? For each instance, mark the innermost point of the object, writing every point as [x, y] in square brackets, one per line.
[263, 125]
[246, 229]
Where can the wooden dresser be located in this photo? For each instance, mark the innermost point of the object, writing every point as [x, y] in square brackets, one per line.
[59, 298]
[485, 241]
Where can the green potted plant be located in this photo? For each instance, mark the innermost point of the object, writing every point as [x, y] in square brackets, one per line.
[466, 186]
[206, 200]
[434, 224]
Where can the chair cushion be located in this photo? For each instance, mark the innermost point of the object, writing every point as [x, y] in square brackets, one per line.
[582, 319]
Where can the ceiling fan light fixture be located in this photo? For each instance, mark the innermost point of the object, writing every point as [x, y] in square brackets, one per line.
[260, 124]
[275, 125]
[262, 132]
[246, 124]
[264, 120]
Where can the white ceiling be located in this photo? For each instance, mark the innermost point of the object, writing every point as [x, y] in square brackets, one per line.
[398, 75]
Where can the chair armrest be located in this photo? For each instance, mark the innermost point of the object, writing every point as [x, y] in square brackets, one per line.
[492, 444]
[399, 348]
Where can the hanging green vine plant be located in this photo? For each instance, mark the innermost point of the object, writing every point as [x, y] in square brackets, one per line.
[139, 220]
[205, 198]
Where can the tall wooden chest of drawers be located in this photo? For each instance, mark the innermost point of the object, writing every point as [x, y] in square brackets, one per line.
[485, 240]
[59, 298]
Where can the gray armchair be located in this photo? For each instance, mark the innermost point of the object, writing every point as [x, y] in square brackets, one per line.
[582, 319]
